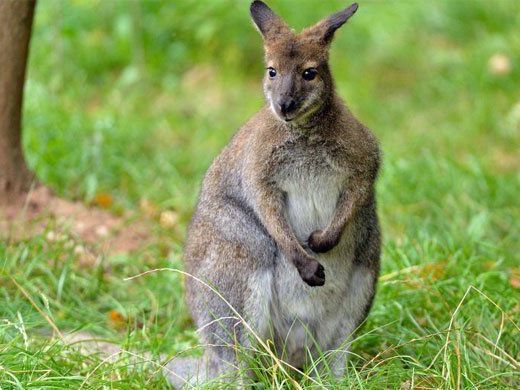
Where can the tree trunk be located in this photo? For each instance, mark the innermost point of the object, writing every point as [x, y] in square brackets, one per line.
[16, 17]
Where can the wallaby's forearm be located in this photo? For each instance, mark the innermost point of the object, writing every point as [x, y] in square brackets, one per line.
[351, 198]
[269, 204]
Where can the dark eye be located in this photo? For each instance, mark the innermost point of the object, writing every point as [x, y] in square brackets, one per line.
[272, 72]
[309, 74]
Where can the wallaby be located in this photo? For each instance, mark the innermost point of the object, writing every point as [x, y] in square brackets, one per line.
[285, 229]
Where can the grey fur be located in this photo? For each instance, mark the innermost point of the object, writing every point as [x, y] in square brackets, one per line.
[285, 200]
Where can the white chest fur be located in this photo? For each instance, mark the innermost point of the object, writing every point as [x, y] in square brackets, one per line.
[311, 201]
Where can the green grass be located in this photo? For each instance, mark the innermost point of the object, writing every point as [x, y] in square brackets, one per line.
[134, 99]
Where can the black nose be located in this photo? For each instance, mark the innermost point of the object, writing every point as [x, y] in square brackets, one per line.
[287, 106]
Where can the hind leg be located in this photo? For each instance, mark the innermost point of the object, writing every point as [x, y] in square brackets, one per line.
[359, 296]
[219, 313]
[221, 332]
[223, 254]
[362, 287]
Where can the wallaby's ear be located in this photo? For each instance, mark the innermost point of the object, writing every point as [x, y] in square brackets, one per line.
[268, 23]
[324, 30]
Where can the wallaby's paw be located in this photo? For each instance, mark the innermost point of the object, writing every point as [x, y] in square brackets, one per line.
[318, 279]
[320, 242]
[311, 271]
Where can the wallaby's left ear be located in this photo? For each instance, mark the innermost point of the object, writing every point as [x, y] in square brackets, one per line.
[324, 30]
[270, 25]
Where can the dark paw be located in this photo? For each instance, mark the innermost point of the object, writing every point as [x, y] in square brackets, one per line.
[313, 274]
[309, 269]
[320, 242]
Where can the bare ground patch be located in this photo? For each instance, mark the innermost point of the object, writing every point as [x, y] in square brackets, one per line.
[40, 209]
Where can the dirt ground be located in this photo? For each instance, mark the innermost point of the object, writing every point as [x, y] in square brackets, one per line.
[41, 210]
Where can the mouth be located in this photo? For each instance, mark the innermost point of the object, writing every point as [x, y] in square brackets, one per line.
[286, 118]
[282, 117]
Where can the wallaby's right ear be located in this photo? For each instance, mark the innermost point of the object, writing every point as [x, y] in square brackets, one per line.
[268, 23]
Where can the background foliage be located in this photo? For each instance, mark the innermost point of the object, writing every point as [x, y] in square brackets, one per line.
[135, 99]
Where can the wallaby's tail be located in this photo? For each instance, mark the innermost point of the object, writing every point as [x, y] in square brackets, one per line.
[184, 372]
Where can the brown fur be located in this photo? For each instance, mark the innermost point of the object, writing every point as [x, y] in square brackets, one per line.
[241, 230]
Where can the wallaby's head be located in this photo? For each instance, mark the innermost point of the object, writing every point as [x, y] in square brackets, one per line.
[298, 81]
